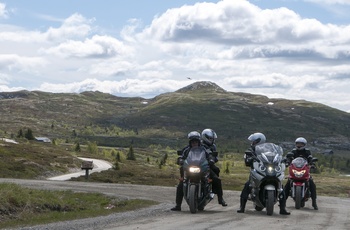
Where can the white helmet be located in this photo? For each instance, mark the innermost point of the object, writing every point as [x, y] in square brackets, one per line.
[209, 136]
[257, 138]
[300, 143]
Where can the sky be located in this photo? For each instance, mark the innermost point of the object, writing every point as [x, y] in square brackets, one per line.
[291, 49]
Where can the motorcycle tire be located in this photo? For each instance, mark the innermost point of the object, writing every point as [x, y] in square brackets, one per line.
[193, 198]
[270, 202]
[298, 197]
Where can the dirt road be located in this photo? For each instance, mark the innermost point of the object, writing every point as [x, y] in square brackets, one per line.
[99, 165]
[333, 213]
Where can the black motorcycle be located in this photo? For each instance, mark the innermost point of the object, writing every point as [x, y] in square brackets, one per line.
[197, 183]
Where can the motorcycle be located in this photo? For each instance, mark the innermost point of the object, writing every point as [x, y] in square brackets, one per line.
[197, 184]
[266, 176]
[299, 175]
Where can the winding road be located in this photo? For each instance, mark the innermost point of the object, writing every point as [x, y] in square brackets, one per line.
[99, 165]
[333, 213]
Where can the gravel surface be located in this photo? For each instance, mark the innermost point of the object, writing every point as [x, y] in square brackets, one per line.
[333, 213]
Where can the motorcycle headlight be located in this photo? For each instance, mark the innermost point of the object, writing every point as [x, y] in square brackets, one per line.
[195, 170]
[299, 173]
[270, 169]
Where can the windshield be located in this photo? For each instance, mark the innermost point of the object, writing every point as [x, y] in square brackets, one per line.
[269, 153]
[196, 157]
[299, 162]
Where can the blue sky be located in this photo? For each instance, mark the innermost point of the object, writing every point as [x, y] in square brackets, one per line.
[293, 49]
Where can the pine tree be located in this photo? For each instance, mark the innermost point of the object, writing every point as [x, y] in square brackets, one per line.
[29, 134]
[131, 155]
[118, 157]
[116, 165]
[20, 133]
[227, 167]
[77, 147]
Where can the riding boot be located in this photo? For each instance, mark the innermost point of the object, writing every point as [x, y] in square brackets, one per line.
[314, 204]
[179, 197]
[222, 201]
[242, 207]
[283, 210]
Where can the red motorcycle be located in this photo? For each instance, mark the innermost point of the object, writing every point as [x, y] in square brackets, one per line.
[299, 175]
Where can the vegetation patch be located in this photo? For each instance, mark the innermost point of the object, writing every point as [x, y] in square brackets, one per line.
[21, 206]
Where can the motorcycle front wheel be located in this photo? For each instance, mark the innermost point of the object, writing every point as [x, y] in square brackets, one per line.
[298, 197]
[193, 198]
[270, 202]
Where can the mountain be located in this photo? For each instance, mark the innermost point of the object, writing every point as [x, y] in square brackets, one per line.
[167, 118]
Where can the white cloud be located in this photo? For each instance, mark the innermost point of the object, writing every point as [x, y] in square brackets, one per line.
[128, 87]
[74, 26]
[97, 46]
[235, 44]
[15, 62]
[3, 11]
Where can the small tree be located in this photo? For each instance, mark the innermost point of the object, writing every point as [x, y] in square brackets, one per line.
[164, 158]
[116, 165]
[77, 147]
[92, 147]
[118, 157]
[29, 134]
[227, 167]
[131, 155]
[20, 133]
[54, 141]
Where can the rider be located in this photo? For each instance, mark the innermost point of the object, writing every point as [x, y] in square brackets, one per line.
[300, 150]
[208, 141]
[194, 141]
[256, 139]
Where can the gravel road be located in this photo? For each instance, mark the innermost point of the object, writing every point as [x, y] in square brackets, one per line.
[99, 165]
[333, 213]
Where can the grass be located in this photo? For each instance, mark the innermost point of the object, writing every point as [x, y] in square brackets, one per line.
[328, 182]
[94, 117]
[26, 207]
[21, 206]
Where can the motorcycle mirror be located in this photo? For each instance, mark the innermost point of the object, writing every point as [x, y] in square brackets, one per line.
[214, 154]
[314, 160]
[179, 152]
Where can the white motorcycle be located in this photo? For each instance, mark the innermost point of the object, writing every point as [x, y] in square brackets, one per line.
[266, 176]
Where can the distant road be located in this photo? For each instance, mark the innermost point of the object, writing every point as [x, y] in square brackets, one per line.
[99, 165]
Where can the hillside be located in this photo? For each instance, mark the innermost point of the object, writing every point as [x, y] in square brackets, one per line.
[167, 118]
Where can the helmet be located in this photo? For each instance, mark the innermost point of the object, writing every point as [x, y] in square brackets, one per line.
[300, 143]
[209, 136]
[194, 135]
[257, 138]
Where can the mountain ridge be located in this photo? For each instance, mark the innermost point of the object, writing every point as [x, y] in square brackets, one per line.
[166, 118]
